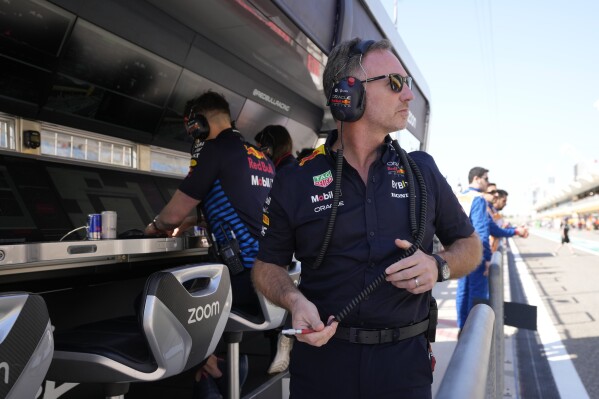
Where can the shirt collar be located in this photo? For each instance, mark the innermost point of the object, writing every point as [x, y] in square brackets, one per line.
[386, 150]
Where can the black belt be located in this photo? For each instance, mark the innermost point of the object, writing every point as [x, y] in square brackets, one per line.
[371, 336]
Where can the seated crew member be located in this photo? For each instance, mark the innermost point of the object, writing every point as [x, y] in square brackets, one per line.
[359, 357]
[275, 141]
[228, 179]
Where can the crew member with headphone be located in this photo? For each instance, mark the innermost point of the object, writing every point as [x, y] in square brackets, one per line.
[275, 141]
[228, 180]
[360, 215]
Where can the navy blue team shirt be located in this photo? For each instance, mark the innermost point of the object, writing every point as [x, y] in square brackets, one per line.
[370, 217]
[232, 179]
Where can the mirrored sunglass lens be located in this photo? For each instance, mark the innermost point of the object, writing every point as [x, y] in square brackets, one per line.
[395, 82]
[409, 81]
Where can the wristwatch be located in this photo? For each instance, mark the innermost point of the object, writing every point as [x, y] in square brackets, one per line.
[443, 268]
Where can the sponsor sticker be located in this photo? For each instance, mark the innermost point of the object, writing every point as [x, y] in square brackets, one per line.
[323, 180]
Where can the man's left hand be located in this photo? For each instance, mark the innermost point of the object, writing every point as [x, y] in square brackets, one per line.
[416, 273]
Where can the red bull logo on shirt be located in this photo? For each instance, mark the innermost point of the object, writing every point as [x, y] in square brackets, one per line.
[317, 151]
[394, 168]
[254, 152]
[323, 180]
[260, 165]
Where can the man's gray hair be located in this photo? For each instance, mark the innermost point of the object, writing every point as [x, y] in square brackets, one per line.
[341, 65]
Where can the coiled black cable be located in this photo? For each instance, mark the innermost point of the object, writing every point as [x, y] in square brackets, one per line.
[418, 229]
[331, 225]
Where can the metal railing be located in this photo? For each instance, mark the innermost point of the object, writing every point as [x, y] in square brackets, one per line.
[476, 367]
[468, 368]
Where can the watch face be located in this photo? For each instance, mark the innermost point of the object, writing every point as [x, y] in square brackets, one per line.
[445, 269]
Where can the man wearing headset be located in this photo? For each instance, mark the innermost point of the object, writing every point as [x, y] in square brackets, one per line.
[380, 348]
[229, 179]
[275, 141]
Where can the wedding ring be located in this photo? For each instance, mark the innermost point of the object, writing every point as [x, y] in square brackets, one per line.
[416, 281]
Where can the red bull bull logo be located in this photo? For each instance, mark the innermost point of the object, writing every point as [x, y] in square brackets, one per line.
[254, 152]
[339, 100]
[317, 151]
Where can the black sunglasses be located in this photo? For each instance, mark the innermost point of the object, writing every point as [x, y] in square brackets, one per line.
[396, 81]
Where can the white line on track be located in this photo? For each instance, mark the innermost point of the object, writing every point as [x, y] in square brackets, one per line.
[565, 375]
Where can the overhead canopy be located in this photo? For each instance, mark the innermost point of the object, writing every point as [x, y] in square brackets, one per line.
[126, 68]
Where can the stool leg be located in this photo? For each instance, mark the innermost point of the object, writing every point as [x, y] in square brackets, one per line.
[233, 370]
[116, 390]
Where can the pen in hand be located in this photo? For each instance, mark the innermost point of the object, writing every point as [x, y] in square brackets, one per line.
[294, 331]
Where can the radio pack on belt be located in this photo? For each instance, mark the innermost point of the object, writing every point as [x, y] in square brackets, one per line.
[433, 314]
[228, 251]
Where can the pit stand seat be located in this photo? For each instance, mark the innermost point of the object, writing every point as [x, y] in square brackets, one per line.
[182, 316]
[26, 344]
[273, 317]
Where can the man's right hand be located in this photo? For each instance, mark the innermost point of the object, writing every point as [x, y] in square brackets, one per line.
[522, 231]
[305, 315]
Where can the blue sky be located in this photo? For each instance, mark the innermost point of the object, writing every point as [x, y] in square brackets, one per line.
[514, 86]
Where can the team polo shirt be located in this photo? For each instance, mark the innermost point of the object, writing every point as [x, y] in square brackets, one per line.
[285, 160]
[231, 178]
[370, 217]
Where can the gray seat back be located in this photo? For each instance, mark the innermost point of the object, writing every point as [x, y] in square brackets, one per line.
[274, 316]
[26, 344]
[184, 314]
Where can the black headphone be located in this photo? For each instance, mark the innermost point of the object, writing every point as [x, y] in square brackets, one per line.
[347, 100]
[266, 139]
[197, 126]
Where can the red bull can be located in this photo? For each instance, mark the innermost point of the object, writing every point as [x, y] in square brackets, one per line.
[94, 226]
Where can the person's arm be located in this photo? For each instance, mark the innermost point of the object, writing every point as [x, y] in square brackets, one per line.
[463, 255]
[497, 231]
[274, 283]
[480, 222]
[173, 214]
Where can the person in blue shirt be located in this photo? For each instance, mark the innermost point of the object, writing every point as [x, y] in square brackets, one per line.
[379, 349]
[475, 286]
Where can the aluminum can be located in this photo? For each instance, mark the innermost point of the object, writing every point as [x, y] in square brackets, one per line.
[108, 225]
[94, 226]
